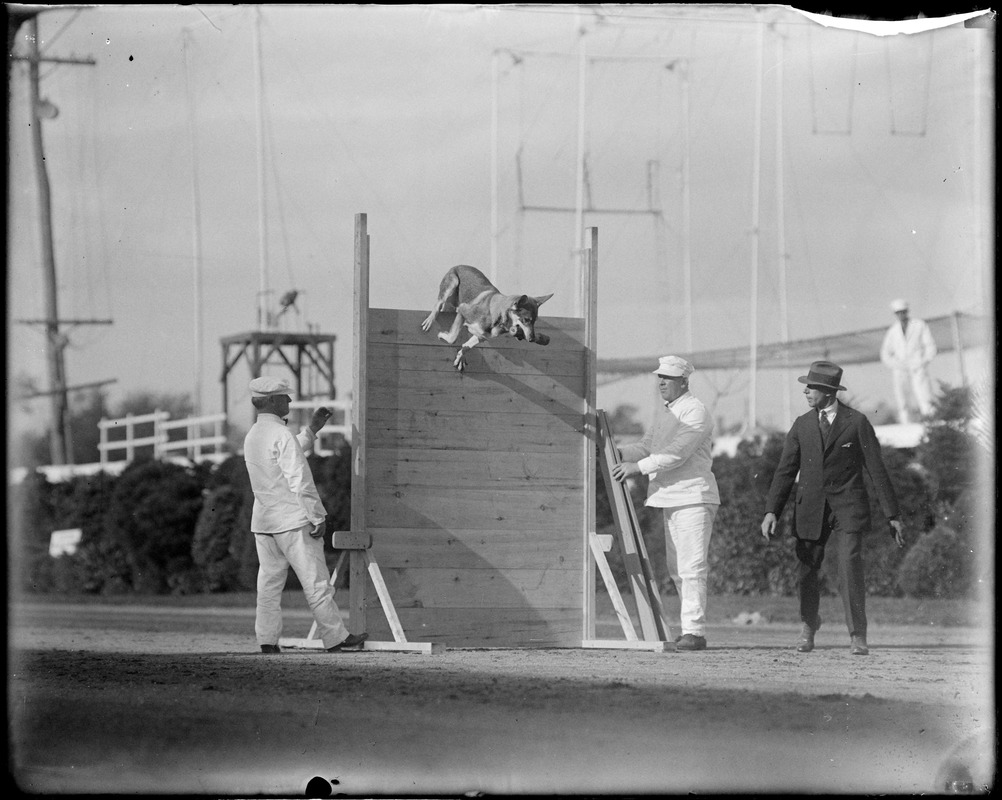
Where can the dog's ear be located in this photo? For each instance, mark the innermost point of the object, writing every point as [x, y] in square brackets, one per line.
[543, 299]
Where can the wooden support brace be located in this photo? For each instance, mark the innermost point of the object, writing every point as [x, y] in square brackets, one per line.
[384, 598]
[598, 551]
[635, 558]
[355, 546]
[619, 644]
[427, 648]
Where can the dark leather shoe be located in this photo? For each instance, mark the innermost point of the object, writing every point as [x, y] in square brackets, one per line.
[858, 646]
[689, 641]
[270, 648]
[353, 642]
[806, 643]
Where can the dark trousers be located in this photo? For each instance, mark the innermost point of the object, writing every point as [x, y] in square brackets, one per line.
[849, 562]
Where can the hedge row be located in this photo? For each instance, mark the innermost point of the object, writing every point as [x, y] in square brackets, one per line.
[164, 528]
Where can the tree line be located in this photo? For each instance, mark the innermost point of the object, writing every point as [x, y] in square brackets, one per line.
[166, 528]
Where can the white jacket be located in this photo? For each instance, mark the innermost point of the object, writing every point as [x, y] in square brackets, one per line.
[675, 453]
[910, 350]
[285, 496]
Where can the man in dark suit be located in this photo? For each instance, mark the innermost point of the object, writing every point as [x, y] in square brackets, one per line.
[830, 446]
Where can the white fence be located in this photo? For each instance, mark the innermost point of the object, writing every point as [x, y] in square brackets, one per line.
[195, 444]
[204, 439]
[204, 436]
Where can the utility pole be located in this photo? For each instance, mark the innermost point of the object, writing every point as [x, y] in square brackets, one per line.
[60, 438]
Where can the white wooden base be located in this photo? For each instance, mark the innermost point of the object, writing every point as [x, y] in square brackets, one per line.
[621, 644]
[428, 648]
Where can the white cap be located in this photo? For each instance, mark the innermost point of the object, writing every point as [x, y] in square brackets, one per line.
[266, 386]
[899, 305]
[674, 367]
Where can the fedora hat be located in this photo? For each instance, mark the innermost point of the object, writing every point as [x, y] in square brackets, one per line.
[824, 373]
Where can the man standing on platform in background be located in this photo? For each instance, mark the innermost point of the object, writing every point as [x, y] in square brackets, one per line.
[907, 349]
[675, 453]
[289, 519]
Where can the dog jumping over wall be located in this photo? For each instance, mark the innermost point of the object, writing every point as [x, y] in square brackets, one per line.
[484, 310]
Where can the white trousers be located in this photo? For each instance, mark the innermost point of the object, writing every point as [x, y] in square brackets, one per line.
[295, 548]
[917, 380]
[687, 545]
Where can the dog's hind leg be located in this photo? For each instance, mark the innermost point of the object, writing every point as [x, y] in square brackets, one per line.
[448, 292]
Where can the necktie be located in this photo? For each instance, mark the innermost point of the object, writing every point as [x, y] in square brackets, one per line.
[825, 426]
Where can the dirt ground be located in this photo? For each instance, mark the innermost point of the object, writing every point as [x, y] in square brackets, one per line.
[149, 700]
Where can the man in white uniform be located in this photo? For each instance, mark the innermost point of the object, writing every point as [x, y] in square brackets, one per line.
[907, 350]
[288, 519]
[675, 454]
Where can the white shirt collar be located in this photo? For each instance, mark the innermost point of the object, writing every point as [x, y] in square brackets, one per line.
[830, 411]
[669, 405]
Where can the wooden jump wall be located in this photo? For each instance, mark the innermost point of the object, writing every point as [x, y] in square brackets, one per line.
[477, 487]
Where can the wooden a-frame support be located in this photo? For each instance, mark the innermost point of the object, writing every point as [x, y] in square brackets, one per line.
[356, 546]
[643, 586]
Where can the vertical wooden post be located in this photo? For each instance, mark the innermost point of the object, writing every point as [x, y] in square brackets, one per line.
[357, 569]
[589, 294]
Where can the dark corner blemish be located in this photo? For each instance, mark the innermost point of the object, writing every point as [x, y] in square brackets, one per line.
[318, 787]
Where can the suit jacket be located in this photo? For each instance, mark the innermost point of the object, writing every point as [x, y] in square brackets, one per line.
[832, 473]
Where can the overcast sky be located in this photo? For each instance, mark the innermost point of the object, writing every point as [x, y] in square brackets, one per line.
[884, 158]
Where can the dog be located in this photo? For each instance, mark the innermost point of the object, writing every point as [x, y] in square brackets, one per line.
[484, 310]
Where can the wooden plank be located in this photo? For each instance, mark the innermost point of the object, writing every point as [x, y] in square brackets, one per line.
[472, 509]
[653, 590]
[618, 644]
[425, 648]
[454, 477]
[517, 548]
[420, 466]
[359, 421]
[610, 585]
[490, 627]
[621, 502]
[407, 428]
[351, 540]
[480, 393]
[389, 611]
[437, 358]
[497, 589]
[402, 326]
[590, 440]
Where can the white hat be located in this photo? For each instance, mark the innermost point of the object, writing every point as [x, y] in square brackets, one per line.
[266, 386]
[674, 367]
[899, 305]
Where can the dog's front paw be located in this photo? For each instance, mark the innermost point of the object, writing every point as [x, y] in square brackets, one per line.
[460, 362]
[543, 339]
